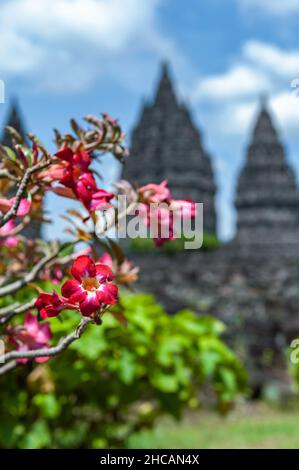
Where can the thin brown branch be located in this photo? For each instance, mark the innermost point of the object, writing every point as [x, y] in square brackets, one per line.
[12, 212]
[6, 313]
[5, 173]
[29, 277]
[63, 344]
[32, 275]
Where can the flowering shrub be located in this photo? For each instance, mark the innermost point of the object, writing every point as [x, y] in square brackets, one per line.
[90, 287]
[51, 292]
[119, 380]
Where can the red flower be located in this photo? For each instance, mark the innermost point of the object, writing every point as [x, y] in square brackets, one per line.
[92, 288]
[50, 305]
[90, 195]
[79, 161]
[30, 336]
[78, 180]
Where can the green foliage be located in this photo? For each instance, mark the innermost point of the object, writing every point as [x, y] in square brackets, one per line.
[118, 380]
[144, 245]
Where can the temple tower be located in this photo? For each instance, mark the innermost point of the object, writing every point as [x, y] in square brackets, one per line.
[166, 145]
[14, 120]
[267, 198]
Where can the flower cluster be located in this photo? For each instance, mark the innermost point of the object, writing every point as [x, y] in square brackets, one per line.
[90, 291]
[30, 336]
[77, 180]
[92, 288]
[157, 208]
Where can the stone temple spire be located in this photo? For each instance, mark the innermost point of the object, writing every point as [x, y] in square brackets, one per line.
[165, 95]
[165, 144]
[267, 198]
[14, 119]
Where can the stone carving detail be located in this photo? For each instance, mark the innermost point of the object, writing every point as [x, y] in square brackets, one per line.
[167, 145]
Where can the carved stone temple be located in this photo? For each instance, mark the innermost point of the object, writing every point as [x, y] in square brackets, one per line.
[251, 282]
[267, 199]
[14, 119]
[165, 144]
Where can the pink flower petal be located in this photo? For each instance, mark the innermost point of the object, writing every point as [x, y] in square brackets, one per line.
[31, 324]
[90, 305]
[24, 206]
[106, 258]
[44, 334]
[42, 359]
[64, 192]
[6, 204]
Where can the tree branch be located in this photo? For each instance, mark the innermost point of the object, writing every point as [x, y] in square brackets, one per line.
[12, 212]
[63, 344]
[29, 277]
[6, 313]
[5, 173]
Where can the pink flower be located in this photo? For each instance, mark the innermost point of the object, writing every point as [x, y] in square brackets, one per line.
[54, 173]
[50, 305]
[158, 210]
[6, 204]
[10, 241]
[124, 272]
[30, 336]
[154, 192]
[185, 207]
[53, 274]
[91, 287]
[106, 258]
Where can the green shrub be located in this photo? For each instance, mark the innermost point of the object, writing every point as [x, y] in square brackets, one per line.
[144, 245]
[118, 379]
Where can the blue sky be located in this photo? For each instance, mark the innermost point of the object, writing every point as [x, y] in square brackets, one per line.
[66, 58]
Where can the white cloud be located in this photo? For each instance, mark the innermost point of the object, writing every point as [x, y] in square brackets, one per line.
[108, 24]
[286, 107]
[274, 7]
[239, 81]
[238, 118]
[72, 39]
[272, 58]
[261, 68]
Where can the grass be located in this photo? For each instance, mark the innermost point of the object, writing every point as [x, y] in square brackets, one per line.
[256, 426]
